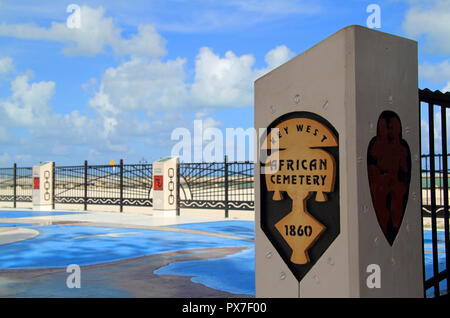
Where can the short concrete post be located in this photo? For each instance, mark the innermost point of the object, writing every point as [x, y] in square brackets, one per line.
[164, 186]
[43, 186]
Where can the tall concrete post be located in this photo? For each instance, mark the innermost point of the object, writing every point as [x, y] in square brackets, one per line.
[164, 186]
[42, 195]
[338, 170]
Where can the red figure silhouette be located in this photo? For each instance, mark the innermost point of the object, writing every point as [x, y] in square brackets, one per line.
[389, 173]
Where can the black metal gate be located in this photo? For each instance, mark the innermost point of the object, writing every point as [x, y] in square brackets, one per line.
[216, 185]
[123, 185]
[16, 184]
[434, 187]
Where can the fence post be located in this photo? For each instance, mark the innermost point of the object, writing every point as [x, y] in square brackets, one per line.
[445, 186]
[15, 185]
[121, 185]
[85, 184]
[53, 186]
[226, 185]
[178, 188]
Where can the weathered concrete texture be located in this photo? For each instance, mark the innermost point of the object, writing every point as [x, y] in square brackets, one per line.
[127, 278]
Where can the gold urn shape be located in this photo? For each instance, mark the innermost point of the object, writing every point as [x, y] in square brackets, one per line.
[299, 165]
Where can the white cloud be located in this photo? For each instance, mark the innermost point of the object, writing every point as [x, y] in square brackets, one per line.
[6, 65]
[223, 82]
[29, 103]
[278, 56]
[228, 81]
[141, 97]
[147, 42]
[435, 72]
[446, 88]
[155, 88]
[207, 122]
[141, 85]
[96, 33]
[431, 21]
[28, 107]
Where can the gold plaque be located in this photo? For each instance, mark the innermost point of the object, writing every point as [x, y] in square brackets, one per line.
[298, 166]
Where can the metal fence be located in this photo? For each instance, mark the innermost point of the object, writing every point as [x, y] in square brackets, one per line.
[221, 185]
[216, 185]
[123, 185]
[16, 184]
[435, 185]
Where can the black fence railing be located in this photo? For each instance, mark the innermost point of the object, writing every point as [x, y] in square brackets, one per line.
[16, 184]
[137, 185]
[439, 175]
[123, 185]
[220, 185]
[216, 185]
[435, 186]
[69, 185]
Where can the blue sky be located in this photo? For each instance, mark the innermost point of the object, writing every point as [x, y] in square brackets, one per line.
[135, 70]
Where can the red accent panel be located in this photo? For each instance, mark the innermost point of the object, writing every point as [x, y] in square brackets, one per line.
[36, 183]
[389, 171]
[158, 182]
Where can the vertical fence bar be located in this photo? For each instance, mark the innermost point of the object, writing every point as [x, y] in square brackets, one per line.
[121, 185]
[53, 185]
[445, 179]
[178, 189]
[226, 186]
[433, 199]
[85, 184]
[15, 185]
[422, 186]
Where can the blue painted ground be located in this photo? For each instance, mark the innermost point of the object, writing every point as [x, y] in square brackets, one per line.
[429, 257]
[61, 245]
[15, 224]
[234, 273]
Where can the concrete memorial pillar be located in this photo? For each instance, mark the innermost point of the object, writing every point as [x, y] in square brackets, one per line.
[164, 186]
[42, 195]
[338, 171]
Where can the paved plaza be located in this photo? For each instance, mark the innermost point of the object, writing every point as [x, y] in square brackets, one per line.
[124, 255]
